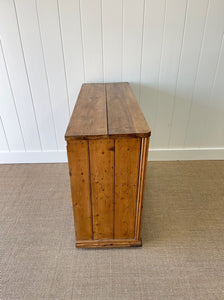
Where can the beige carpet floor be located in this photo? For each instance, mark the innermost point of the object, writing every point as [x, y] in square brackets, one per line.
[183, 237]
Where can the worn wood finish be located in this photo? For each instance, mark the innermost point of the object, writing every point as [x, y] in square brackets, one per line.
[107, 144]
[78, 159]
[106, 109]
[141, 182]
[127, 153]
[102, 187]
[124, 113]
[89, 117]
[109, 243]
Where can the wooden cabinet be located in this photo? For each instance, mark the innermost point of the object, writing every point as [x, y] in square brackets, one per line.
[107, 145]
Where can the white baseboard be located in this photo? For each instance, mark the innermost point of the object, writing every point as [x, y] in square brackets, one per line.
[186, 154]
[33, 157]
[154, 155]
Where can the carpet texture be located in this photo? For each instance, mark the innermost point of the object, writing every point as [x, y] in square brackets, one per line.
[182, 231]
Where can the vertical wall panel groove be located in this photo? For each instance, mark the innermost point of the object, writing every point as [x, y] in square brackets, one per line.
[92, 40]
[178, 70]
[197, 137]
[142, 42]
[8, 108]
[159, 73]
[174, 24]
[196, 76]
[63, 57]
[171, 52]
[83, 57]
[216, 70]
[50, 34]
[155, 14]
[32, 48]
[194, 28]
[132, 42]
[122, 40]
[4, 145]
[101, 19]
[71, 33]
[214, 123]
[28, 81]
[112, 39]
[209, 123]
[14, 58]
[46, 76]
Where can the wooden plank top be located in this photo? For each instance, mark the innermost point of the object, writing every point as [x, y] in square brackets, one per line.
[103, 110]
[89, 117]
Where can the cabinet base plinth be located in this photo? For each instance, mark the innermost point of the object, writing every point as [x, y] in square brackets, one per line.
[108, 243]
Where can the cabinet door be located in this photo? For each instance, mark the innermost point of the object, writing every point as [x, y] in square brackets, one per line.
[127, 154]
[102, 187]
[78, 159]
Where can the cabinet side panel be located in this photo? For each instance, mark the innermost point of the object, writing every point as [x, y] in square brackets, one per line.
[80, 187]
[102, 182]
[127, 152]
[141, 185]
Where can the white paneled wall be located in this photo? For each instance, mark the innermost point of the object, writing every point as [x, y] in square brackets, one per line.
[171, 51]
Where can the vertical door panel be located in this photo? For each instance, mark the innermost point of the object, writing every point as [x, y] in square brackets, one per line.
[102, 187]
[141, 185]
[80, 186]
[127, 152]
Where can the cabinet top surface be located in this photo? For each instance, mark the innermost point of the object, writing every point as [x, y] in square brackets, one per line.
[106, 109]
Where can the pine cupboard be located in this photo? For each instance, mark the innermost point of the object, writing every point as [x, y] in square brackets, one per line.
[107, 147]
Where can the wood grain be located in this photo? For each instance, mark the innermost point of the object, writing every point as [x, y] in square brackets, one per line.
[107, 144]
[109, 243]
[106, 109]
[79, 176]
[127, 153]
[124, 113]
[102, 186]
[89, 118]
[141, 185]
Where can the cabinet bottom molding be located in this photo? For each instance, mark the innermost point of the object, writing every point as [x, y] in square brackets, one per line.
[109, 243]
